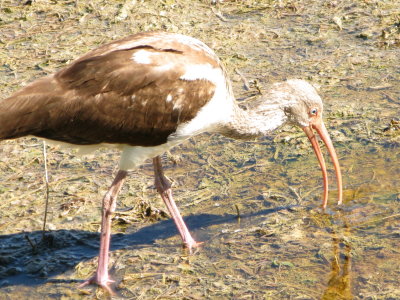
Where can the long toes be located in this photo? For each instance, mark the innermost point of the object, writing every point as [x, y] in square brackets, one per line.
[105, 284]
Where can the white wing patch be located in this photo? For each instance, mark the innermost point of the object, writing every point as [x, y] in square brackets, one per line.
[146, 57]
[205, 72]
[143, 57]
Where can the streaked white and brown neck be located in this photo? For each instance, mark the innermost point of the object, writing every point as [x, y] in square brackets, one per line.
[254, 122]
[284, 102]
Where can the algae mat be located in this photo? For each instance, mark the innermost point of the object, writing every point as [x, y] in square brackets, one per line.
[254, 204]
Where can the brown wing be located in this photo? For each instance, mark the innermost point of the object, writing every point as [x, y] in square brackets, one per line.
[108, 97]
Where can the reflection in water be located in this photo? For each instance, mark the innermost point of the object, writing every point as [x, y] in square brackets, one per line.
[339, 284]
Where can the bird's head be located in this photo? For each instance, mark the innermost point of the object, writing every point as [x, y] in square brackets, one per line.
[303, 107]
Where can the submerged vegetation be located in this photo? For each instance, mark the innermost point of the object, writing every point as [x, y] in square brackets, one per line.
[254, 204]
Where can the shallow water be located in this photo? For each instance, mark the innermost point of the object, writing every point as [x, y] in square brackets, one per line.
[255, 204]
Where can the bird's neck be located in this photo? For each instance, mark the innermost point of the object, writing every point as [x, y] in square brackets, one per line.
[259, 120]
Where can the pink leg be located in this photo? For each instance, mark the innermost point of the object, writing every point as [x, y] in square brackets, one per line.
[109, 203]
[164, 188]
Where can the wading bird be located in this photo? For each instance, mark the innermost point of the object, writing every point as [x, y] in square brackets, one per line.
[145, 94]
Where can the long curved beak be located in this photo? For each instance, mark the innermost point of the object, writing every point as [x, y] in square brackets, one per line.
[319, 126]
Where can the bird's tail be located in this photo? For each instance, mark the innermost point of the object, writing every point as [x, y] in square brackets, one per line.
[24, 113]
[9, 118]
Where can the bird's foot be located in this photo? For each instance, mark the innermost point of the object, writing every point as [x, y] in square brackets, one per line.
[192, 245]
[102, 281]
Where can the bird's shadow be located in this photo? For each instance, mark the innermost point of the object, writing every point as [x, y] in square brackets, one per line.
[27, 259]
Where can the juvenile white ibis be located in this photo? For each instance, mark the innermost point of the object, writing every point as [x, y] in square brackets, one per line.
[145, 94]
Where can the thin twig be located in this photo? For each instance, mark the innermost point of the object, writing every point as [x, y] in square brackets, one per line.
[237, 213]
[46, 174]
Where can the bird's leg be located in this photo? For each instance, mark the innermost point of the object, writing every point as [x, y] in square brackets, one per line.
[164, 188]
[108, 207]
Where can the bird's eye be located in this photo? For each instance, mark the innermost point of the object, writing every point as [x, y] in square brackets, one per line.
[314, 111]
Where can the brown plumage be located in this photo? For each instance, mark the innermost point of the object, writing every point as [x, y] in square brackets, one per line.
[106, 97]
[145, 94]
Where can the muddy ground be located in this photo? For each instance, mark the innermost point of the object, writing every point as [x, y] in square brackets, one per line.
[254, 204]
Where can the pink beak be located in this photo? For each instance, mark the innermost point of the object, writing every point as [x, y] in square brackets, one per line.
[323, 133]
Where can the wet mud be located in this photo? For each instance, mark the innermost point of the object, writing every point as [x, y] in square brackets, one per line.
[256, 205]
